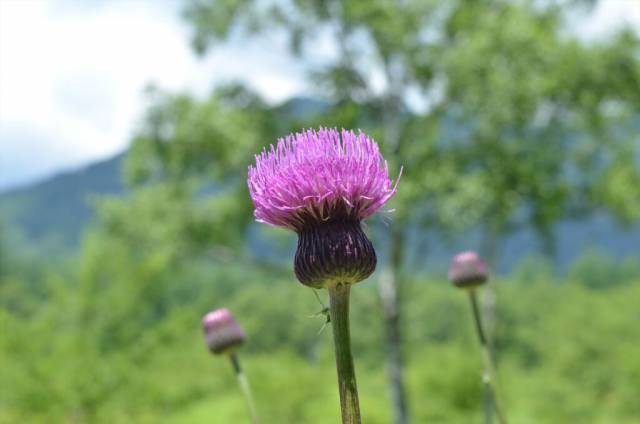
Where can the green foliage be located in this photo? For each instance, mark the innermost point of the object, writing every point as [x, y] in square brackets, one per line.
[618, 186]
[120, 341]
[597, 270]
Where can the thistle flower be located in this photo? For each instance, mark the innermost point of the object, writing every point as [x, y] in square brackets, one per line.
[468, 270]
[322, 184]
[222, 332]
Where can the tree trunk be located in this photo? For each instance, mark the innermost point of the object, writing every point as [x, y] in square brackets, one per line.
[390, 294]
[389, 285]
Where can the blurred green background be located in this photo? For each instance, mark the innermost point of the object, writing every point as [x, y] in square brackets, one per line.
[518, 139]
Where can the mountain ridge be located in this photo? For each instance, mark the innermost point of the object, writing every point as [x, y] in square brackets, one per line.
[59, 207]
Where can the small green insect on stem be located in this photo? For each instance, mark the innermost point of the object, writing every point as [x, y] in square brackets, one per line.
[324, 312]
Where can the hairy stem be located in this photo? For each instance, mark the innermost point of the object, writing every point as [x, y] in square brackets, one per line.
[243, 382]
[339, 310]
[489, 375]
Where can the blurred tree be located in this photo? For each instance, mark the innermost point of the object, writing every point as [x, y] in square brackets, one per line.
[597, 270]
[499, 115]
[618, 185]
[187, 168]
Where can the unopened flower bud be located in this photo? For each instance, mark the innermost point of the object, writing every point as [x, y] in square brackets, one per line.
[222, 332]
[468, 270]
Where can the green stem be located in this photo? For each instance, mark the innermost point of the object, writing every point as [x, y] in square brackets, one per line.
[489, 377]
[243, 382]
[339, 310]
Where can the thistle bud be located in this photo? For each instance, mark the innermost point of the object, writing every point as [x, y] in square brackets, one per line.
[222, 332]
[468, 270]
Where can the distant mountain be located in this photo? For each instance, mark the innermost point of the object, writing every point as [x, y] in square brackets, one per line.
[57, 210]
[302, 107]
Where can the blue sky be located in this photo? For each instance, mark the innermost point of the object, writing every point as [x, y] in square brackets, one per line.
[72, 74]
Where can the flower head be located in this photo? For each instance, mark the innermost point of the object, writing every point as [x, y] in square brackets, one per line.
[468, 270]
[313, 176]
[322, 184]
[222, 332]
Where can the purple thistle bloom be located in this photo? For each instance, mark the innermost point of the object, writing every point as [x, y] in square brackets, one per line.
[222, 332]
[311, 174]
[322, 184]
[468, 270]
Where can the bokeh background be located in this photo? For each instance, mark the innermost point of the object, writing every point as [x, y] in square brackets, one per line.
[126, 128]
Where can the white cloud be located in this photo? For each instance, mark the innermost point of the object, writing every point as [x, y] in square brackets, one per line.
[609, 16]
[72, 76]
